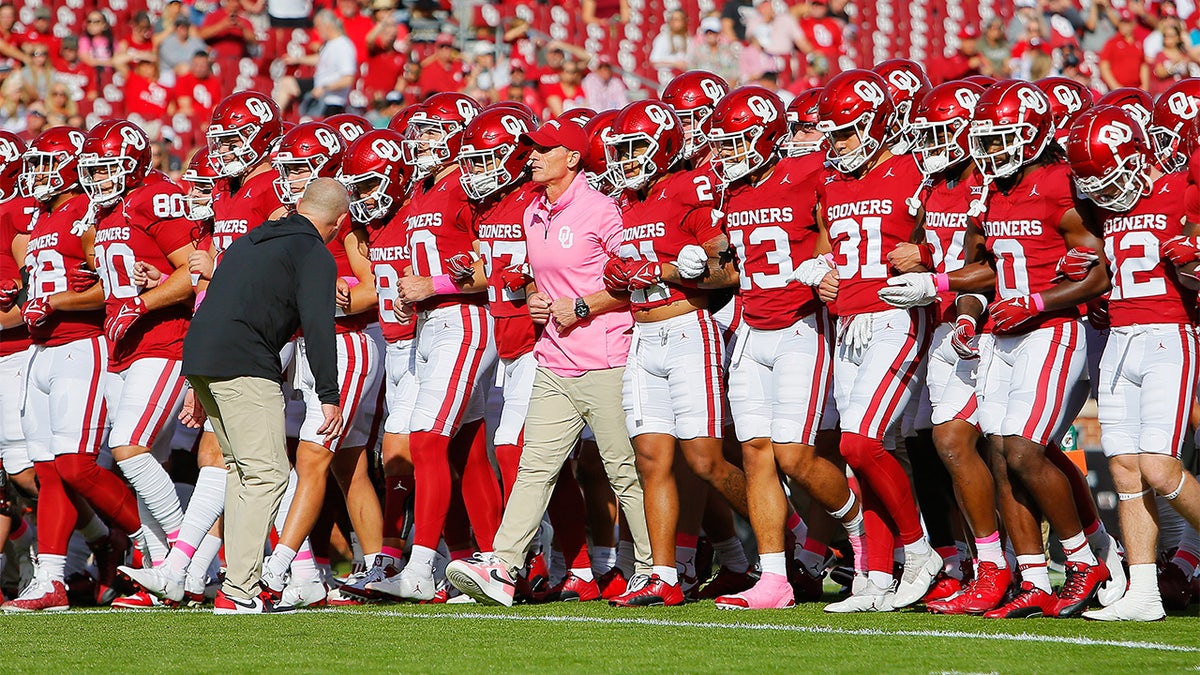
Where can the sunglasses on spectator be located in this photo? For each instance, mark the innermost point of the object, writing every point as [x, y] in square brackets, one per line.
[41, 54]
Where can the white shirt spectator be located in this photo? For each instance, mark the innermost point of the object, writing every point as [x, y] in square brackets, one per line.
[604, 95]
[337, 58]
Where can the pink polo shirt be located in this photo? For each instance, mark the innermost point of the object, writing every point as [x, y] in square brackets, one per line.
[568, 244]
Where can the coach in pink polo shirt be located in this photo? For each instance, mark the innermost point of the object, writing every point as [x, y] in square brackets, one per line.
[571, 231]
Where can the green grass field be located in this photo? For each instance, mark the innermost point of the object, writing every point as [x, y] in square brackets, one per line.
[588, 638]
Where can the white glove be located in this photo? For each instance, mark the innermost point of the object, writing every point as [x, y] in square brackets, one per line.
[856, 334]
[692, 261]
[812, 271]
[909, 290]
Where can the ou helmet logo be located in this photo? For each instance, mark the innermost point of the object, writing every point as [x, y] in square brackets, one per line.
[328, 140]
[1114, 135]
[350, 131]
[514, 125]
[1033, 99]
[711, 89]
[76, 138]
[259, 108]
[763, 108]
[1068, 97]
[8, 150]
[386, 149]
[1138, 113]
[904, 81]
[133, 137]
[869, 91]
[465, 109]
[966, 98]
[1182, 105]
[660, 116]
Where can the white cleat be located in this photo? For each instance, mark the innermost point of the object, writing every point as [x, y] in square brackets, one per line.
[1131, 607]
[919, 574]
[411, 584]
[157, 581]
[304, 593]
[865, 596]
[1114, 589]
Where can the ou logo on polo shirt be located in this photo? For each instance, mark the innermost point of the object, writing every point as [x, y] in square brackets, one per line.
[566, 237]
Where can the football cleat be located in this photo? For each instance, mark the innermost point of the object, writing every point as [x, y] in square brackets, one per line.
[612, 583]
[138, 600]
[1114, 589]
[336, 598]
[304, 593]
[483, 577]
[865, 596]
[262, 603]
[771, 592]
[982, 594]
[654, 593]
[1081, 585]
[1174, 587]
[1131, 607]
[415, 582]
[944, 586]
[384, 568]
[570, 589]
[534, 579]
[1029, 602]
[805, 587]
[108, 553]
[919, 574]
[727, 582]
[158, 581]
[40, 596]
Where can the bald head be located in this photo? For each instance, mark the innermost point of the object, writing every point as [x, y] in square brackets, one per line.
[324, 203]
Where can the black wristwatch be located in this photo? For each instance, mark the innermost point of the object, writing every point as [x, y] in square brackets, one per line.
[581, 308]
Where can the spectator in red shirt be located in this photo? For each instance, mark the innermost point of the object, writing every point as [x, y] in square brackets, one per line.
[41, 32]
[967, 60]
[443, 71]
[79, 76]
[1123, 59]
[410, 83]
[145, 99]
[385, 62]
[356, 24]
[197, 91]
[824, 35]
[140, 43]
[229, 36]
[568, 93]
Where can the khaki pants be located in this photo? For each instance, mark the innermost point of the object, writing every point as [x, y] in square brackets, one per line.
[247, 416]
[558, 410]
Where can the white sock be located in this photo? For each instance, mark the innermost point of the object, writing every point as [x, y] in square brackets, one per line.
[154, 487]
[368, 559]
[422, 555]
[51, 567]
[1033, 569]
[1099, 537]
[94, 530]
[278, 563]
[773, 563]
[285, 504]
[152, 534]
[917, 548]
[604, 558]
[881, 579]
[1078, 551]
[1143, 580]
[206, 505]
[991, 551]
[625, 560]
[731, 555]
[667, 573]
[685, 561]
[584, 573]
[205, 558]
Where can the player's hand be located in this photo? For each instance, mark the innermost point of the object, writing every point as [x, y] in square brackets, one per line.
[616, 274]
[644, 275]
[812, 271]
[36, 312]
[146, 276]
[461, 267]
[856, 334]
[200, 265]
[908, 257]
[906, 291]
[1181, 250]
[963, 339]
[692, 261]
[192, 415]
[403, 311]
[827, 290]
[81, 278]
[8, 294]
[415, 289]
[127, 314]
[516, 277]
[331, 427]
[1075, 265]
[539, 307]
[1097, 314]
[341, 296]
[1011, 313]
[562, 310]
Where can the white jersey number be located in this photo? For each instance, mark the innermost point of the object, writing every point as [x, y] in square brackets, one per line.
[860, 245]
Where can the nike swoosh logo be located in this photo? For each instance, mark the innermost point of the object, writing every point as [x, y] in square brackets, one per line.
[247, 604]
[495, 575]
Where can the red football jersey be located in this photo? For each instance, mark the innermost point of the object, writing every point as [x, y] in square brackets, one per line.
[1192, 192]
[438, 222]
[1145, 287]
[676, 212]
[499, 226]
[773, 228]
[236, 213]
[342, 322]
[16, 218]
[147, 225]
[56, 245]
[866, 217]
[946, 206]
[388, 247]
[1021, 230]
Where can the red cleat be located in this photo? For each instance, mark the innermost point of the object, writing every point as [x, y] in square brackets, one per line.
[612, 583]
[536, 579]
[983, 594]
[139, 600]
[570, 589]
[40, 596]
[943, 587]
[1029, 602]
[1080, 587]
[727, 582]
[656, 593]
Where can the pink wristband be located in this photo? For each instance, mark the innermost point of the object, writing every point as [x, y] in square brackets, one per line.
[444, 285]
[199, 299]
[351, 281]
[942, 282]
[1036, 298]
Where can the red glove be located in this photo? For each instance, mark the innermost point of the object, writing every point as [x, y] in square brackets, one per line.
[129, 312]
[80, 278]
[644, 275]
[616, 275]
[1011, 313]
[36, 312]
[1097, 314]
[1076, 263]
[926, 250]
[461, 267]
[8, 294]
[960, 339]
[1180, 250]
[516, 277]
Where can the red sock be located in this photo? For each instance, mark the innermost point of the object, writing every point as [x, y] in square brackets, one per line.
[566, 510]
[395, 505]
[56, 514]
[104, 491]
[458, 525]
[1079, 487]
[883, 476]
[879, 539]
[431, 470]
[508, 457]
[480, 490]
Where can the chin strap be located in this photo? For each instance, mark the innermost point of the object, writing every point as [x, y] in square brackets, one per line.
[978, 206]
[915, 202]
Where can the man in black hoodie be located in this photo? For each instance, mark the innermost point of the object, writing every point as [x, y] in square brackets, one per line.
[277, 278]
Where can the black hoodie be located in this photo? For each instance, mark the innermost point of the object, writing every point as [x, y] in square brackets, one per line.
[278, 277]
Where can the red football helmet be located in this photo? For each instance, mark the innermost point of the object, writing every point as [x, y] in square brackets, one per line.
[435, 130]
[1138, 103]
[1110, 158]
[519, 107]
[243, 129]
[311, 150]
[984, 81]
[399, 121]
[802, 118]
[50, 166]
[1068, 99]
[115, 158]
[599, 175]
[907, 84]
[11, 147]
[1173, 124]
[855, 104]
[1011, 127]
[579, 116]
[200, 178]
[940, 124]
[747, 125]
[374, 175]
[693, 96]
[646, 140]
[348, 125]
[492, 156]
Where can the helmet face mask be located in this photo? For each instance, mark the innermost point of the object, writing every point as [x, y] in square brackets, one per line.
[630, 160]
[425, 143]
[103, 179]
[803, 139]
[369, 198]
[850, 146]
[41, 175]
[199, 199]
[484, 171]
[1166, 144]
[295, 174]
[734, 154]
[1120, 188]
[694, 138]
[998, 149]
[937, 146]
[232, 153]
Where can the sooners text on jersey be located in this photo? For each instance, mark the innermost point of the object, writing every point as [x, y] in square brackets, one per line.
[56, 245]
